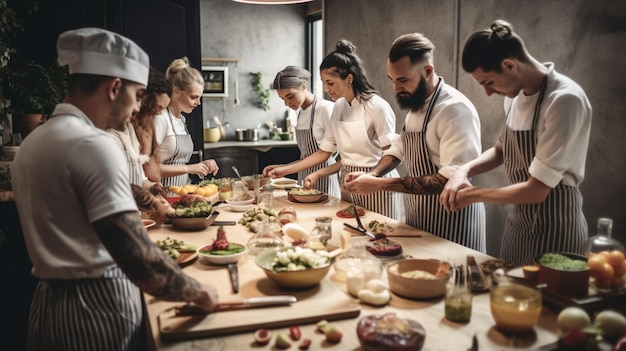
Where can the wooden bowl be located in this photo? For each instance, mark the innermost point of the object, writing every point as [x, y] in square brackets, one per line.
[568, 283]
[291, 279]
[416, 288]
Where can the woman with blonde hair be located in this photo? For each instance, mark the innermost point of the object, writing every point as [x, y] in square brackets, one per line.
[170, 129]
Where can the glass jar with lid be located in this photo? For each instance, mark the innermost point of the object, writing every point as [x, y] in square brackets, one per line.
[264, 239]
[603, 241]
[358, 256]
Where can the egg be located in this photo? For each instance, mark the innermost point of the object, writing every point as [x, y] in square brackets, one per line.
[611, 322]
[571, 319]
[295, 231]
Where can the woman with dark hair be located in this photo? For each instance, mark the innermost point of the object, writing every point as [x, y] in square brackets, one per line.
[291, 85]
[362, 126]
[543, 147]
[154, 101]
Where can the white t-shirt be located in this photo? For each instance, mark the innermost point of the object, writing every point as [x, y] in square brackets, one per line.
[562, 129]
[452, 134]
[379, 119]
[67, 175]
[323, 111]
[165, 135]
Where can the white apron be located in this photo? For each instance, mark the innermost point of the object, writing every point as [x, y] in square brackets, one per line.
[465, 227]
[384, 202]
[555, 225]
[182, 155]
[308, 145]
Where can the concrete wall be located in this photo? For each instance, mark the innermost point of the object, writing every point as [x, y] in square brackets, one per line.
[266, 39]
[586, 40]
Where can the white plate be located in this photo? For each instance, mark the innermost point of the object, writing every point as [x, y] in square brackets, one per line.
[241, 202]
[284, 183]
[147, 223]
[236, 208]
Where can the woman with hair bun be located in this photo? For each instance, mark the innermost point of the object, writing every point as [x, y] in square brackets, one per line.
[170, 129]
[362, 126]
[291, 85]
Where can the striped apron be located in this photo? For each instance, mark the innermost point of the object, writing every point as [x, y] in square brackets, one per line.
[465, 227]
[136, 174]
[308, 145]
[555, 225]
[384, 202]
[182, 155]
[87, 314]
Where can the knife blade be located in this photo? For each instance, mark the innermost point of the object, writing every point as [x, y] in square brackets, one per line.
[360, 230]
[476, 281]
[234, 276]
[252, 302]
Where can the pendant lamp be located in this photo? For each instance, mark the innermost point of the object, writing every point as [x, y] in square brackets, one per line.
[272, 2]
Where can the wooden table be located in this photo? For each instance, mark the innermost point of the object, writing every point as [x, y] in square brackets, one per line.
[441, 334]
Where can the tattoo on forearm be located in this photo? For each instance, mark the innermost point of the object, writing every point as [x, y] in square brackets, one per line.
[427, 185]
[143, 262]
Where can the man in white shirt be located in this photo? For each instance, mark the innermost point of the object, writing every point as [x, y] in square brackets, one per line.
[441, 131]
[543, 147]
[81, 225]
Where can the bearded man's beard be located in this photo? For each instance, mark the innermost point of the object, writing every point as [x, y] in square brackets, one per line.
[415, 101]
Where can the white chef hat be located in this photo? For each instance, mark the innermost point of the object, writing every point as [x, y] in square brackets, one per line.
[101, 52]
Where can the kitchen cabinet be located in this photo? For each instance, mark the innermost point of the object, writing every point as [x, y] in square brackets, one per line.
[250, 157]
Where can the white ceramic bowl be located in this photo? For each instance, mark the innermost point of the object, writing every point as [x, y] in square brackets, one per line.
[208, 258]
[249, 200]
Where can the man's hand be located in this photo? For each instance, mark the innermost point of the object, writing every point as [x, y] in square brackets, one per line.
[362, 183]
[450, 197]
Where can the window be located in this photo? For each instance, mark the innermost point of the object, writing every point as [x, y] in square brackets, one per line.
[316, 52]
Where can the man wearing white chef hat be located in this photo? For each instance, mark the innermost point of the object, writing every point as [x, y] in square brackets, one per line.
[82, 228]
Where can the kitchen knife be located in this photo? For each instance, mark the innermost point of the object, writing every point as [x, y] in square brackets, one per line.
[252, 302]
[476, 281]
[234, 276]
[360, 230]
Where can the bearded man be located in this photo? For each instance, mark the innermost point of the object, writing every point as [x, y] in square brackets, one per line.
[441, 131]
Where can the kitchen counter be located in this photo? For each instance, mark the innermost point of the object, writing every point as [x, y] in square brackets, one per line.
[261, 145]
[441, 334]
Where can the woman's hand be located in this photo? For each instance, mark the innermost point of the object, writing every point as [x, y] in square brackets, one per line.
[361, 183]
[268, 169]
[450, 197]
[311, 180]
[277, 172]
[212, 167]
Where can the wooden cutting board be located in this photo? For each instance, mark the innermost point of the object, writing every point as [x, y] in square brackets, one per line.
[325, 301]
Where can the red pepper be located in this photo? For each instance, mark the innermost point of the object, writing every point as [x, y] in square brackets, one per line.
[295, 333]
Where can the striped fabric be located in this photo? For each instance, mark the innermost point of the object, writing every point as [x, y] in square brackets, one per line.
[308, 145]
[384, 202]
[555, 225]
[87, 314]
[182, 155]
[465, 227]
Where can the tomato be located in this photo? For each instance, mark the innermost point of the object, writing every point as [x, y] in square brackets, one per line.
[348, 212]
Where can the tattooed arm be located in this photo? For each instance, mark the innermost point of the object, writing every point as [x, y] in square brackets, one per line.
[146, 265]
[427, 185]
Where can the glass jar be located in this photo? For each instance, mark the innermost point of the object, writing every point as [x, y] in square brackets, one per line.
[458, 303]
[225, 189]
[323, 229]
[515, 307]
[264, 239]
[357, 257]
[603, 241]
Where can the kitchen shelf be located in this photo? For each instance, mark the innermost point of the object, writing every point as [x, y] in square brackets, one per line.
[220, 59]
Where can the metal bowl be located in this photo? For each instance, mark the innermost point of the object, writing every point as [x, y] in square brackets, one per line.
[193, 223]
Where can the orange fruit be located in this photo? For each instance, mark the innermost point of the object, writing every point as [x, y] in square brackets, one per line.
[617, 282]
[602, 283]
[615, 258]
[607, 271]
[596, 264]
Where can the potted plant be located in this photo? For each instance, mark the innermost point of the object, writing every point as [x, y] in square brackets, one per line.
[33, 91]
